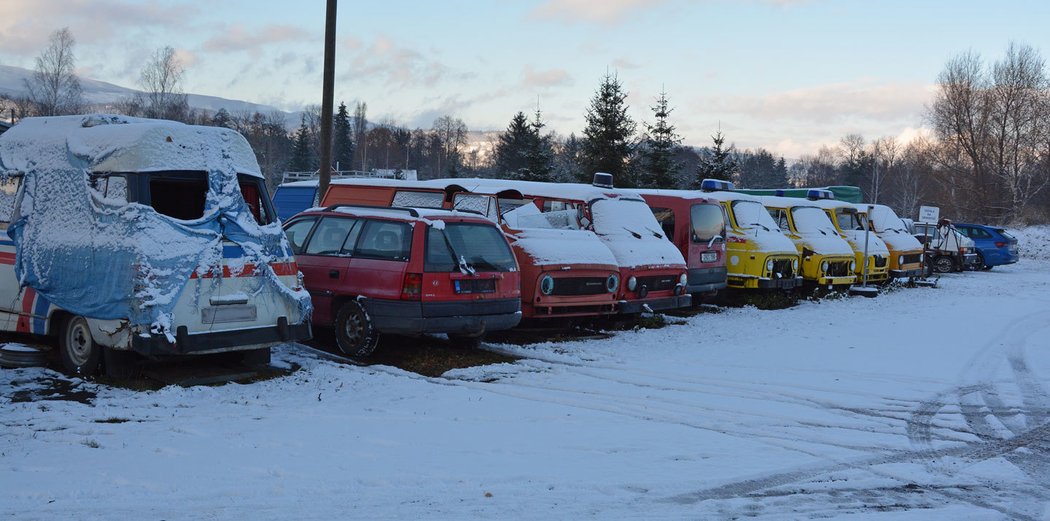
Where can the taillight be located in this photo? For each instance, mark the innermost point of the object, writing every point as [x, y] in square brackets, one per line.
[413, 287]
[1000, 244]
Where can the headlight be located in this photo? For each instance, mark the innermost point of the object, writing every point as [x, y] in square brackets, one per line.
[683, 279]
[632, 283]
[824, 266]
[612, 283]
[900, 260]
[547, 285]
[852, 265]
[794, 264]
[769, 265]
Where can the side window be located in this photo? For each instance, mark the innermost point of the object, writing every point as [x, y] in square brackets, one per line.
[112, 187]
[386, 240]
[780, 217]
[557, 206]
[8, 193]
[255, 196]
[297, 233]
[666, 218]
[978, 233]
[331, 236]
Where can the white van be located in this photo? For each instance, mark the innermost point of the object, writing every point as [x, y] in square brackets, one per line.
[147, 236]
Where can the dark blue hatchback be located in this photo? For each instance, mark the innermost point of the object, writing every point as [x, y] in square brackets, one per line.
[994, 245]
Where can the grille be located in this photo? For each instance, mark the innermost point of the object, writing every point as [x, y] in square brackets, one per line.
[912, 258]
[838, 269]
[659, 283]
[782, 269]
[579, 286]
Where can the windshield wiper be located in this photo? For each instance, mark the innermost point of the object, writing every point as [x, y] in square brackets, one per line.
[632, 232]
[656, 234]
[461, 262]
[760, 224]
[713, 239]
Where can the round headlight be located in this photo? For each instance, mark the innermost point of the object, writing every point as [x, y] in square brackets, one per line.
[683, 279]
[612, 283]
[769, 265]
[794, 264]
[900, 260]
[852, 265]
[824, 266]
[547, 285]
[632, 283]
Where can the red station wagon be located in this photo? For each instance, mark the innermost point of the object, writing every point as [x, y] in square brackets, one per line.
[405, 271]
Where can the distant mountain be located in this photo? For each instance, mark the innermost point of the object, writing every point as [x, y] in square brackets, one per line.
[12, 83]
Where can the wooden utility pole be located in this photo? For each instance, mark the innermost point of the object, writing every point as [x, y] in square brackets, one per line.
[326, 100]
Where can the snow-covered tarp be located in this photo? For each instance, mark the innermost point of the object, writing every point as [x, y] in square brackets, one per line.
[110, 259]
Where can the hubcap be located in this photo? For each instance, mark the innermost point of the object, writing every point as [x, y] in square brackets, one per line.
[79, 342]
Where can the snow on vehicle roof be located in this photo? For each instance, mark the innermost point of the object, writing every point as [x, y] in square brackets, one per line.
[731, 196]
[574, 191]
[784, 202]
[112, 143]
[682, 194]
[308, 184]
[422, 214]
[549, 246]
[835, 203]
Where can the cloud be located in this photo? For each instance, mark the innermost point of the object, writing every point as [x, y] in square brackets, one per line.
[548, 78]
[238, 39]
[385, 62]
[605, 12]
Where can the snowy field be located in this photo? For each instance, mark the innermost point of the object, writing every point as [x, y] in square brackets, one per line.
[918, 404]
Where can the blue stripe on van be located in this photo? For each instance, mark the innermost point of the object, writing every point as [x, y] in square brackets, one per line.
[7, 243]
[40, 315]
[232, 251]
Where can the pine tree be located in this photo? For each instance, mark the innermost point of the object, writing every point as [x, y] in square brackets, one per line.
[717, 163]
[342, 144]
[539, 155]
[221, 118]
[660, 169]
[607, 144]
[512, 148]
[302, 155]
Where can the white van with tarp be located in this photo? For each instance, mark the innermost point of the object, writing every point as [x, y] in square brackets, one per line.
[146, 236]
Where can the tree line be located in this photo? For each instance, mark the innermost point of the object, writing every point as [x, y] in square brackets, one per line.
[987, 159]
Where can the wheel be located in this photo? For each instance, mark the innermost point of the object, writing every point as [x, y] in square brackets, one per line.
[943, 264]
[980, 262]
[465, 341]
[78, 351]
[354, 333]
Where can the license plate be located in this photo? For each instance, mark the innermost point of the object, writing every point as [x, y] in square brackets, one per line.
[225, 314]
[468, 286]
[708, 256]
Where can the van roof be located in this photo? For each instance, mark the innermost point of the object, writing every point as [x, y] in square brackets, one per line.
[785, 202]
[114, 143]
[575, 191]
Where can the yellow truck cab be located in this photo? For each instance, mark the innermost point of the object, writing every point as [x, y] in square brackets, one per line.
[758, 256]
[827, 259]
[852, 225]
[905, 249]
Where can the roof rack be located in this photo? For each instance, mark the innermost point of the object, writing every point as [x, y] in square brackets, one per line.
[409, 211]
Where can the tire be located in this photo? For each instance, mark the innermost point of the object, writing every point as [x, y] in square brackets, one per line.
[465, 341]
[355, 335]
[980, 262]
[943, 264]
[78, 351]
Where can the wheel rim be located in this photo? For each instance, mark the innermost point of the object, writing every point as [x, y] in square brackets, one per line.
[943, 265]
[79, 345]
[354, 330]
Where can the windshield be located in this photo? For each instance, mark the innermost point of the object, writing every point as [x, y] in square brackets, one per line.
[625, 217]
[483, 204]
[750, 214]
[884, 220]
[707, 223]
[467, 247]
[809, 219]
[849, 219]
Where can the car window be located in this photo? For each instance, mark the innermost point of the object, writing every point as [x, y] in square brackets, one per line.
[298, 231]
[979, 233]
[665, 216]
[332, 236]
[8, 192]
[386, 240]
[1006, 234]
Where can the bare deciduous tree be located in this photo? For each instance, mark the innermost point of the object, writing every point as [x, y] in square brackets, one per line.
[54, 88]
[161, 82]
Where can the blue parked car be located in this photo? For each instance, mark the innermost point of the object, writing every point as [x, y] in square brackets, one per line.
[994, 245]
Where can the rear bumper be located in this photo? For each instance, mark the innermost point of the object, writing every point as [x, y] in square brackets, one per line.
[628, 307]
[219, 341]
[470, 317]
[701, 280]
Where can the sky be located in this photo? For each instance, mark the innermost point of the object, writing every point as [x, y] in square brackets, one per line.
[785, 75]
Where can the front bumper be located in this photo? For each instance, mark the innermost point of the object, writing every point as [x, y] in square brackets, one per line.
[630, 307]
[220, 341]
[901, 274]
[405, 317]
[788, 283]
[701, 280]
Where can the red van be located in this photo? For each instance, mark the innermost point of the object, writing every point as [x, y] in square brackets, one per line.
[404, 271]
[652, 270]
[564, 273]
[695, 225]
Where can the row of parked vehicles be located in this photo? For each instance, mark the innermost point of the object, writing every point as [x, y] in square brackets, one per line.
[158, 238]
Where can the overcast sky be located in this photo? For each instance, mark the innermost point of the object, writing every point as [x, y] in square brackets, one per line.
[787, 75]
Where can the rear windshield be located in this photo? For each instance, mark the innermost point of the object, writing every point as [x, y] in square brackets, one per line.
[466, 246]
[707, 223]
[1006, 234]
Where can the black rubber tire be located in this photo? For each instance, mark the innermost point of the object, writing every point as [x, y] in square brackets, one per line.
[355, 335]
[943, 264]
[120, 364]
[79, 353]
[465, 341]
[980, 263]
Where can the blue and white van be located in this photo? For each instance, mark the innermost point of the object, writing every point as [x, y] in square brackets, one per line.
[129, 235]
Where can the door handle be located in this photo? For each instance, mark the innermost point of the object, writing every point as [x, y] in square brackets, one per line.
[333, 274]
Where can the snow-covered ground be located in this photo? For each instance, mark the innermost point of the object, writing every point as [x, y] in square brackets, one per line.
[918, 404]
